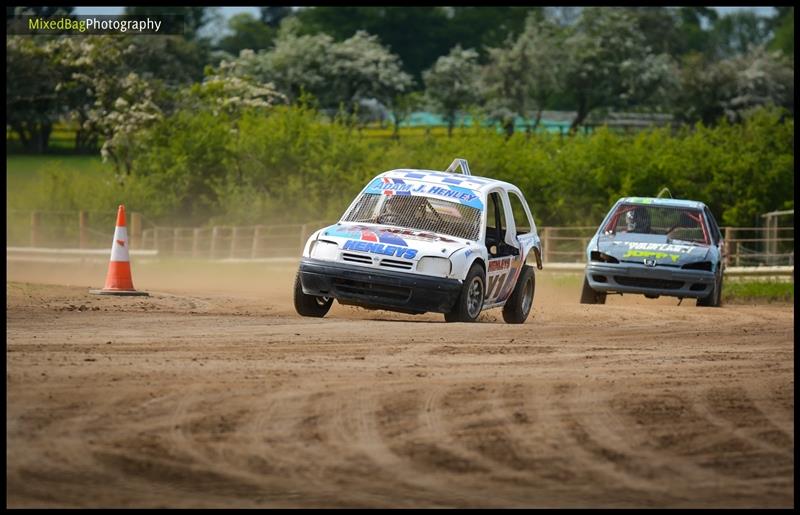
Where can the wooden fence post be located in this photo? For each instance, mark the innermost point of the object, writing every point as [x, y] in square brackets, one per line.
[732, 256]
[145, 234]
[234, 237]
[256, 236]
[83, 229]
[176, 233]
[302, 237]
[214, 235]
[135, 237]
[545, 244]
[36, 222]
[195, 241]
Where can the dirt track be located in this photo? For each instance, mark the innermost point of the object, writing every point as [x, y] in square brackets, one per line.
[201, 397]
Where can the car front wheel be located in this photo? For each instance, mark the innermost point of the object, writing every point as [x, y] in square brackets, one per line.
[310, 305]
[470, 301]
[714, 298]
[590, 296]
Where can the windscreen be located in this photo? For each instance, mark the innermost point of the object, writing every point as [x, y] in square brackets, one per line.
[677, 223]
[417, 212]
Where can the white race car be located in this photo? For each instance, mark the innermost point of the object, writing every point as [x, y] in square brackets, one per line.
[415, 241]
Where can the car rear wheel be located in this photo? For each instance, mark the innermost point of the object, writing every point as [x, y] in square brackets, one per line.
[590, 296]
[310, 305]
[519, 305]
[470, 301]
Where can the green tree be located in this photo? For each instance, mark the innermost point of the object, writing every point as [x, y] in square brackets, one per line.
[170, 59]
[33, 103]
[348, 72]
[704, 88]
[274, 15]
[95, 67]
[487, 26]
[521, 78]
[782, 26]
[694, 29]
[452, 83]
[763, 79]
[738, 33]
[417, 35]
[361, 68]
[247, 32]
[402, 106]
[609, 64]
[660, 28]
[733, 87]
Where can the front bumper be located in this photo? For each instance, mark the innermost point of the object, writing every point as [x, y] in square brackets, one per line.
[352, 284]
[634, 278]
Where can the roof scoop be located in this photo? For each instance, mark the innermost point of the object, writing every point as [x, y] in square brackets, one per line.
[459, 163]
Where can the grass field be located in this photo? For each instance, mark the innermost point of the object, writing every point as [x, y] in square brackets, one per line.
[27, 174]
[758, 291]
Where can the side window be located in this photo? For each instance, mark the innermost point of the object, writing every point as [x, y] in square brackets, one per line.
[494, 220]
[496, 227]
[520, 216]
[715, 234]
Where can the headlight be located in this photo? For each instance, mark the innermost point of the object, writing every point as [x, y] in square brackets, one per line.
[434, 266]
[603, 258]
[701, 265]
[326, 250]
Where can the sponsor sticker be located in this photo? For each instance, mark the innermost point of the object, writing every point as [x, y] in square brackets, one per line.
[459, 194]
[380, 248]
[651, 253]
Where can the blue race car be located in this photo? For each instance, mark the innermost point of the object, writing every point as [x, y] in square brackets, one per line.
[654, 247]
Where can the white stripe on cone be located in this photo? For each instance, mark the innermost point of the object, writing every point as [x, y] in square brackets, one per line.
[119, 251]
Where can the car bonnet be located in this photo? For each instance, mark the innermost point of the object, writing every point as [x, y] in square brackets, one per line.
[635, 248]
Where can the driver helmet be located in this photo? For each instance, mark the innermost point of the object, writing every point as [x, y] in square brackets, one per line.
[637, 220]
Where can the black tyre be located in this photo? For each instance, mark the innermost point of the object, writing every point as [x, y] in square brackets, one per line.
[714, 298]
[470, 301]
[310, 305]
[590, 296]
[519, 304]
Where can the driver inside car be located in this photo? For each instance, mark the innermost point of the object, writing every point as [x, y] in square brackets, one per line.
[637, 220]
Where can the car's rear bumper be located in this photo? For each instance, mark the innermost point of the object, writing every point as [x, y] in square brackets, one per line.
[353, 284]
[633, 278]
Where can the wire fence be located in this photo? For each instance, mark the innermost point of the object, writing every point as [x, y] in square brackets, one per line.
[744, 246]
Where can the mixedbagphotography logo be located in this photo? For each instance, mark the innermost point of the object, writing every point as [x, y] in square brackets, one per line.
[95, 24]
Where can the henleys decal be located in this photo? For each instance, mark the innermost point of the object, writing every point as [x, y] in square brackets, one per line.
[380, 248]
[362, 239]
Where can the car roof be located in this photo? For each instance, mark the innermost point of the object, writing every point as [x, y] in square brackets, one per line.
[670, 202]
[473, 182]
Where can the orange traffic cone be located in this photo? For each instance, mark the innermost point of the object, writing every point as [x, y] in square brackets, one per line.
[118, 279]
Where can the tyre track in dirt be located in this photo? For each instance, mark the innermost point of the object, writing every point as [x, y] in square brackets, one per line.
[192, 400]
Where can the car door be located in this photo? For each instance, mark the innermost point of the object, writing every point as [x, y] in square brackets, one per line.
[505, 258]
[716, 236]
